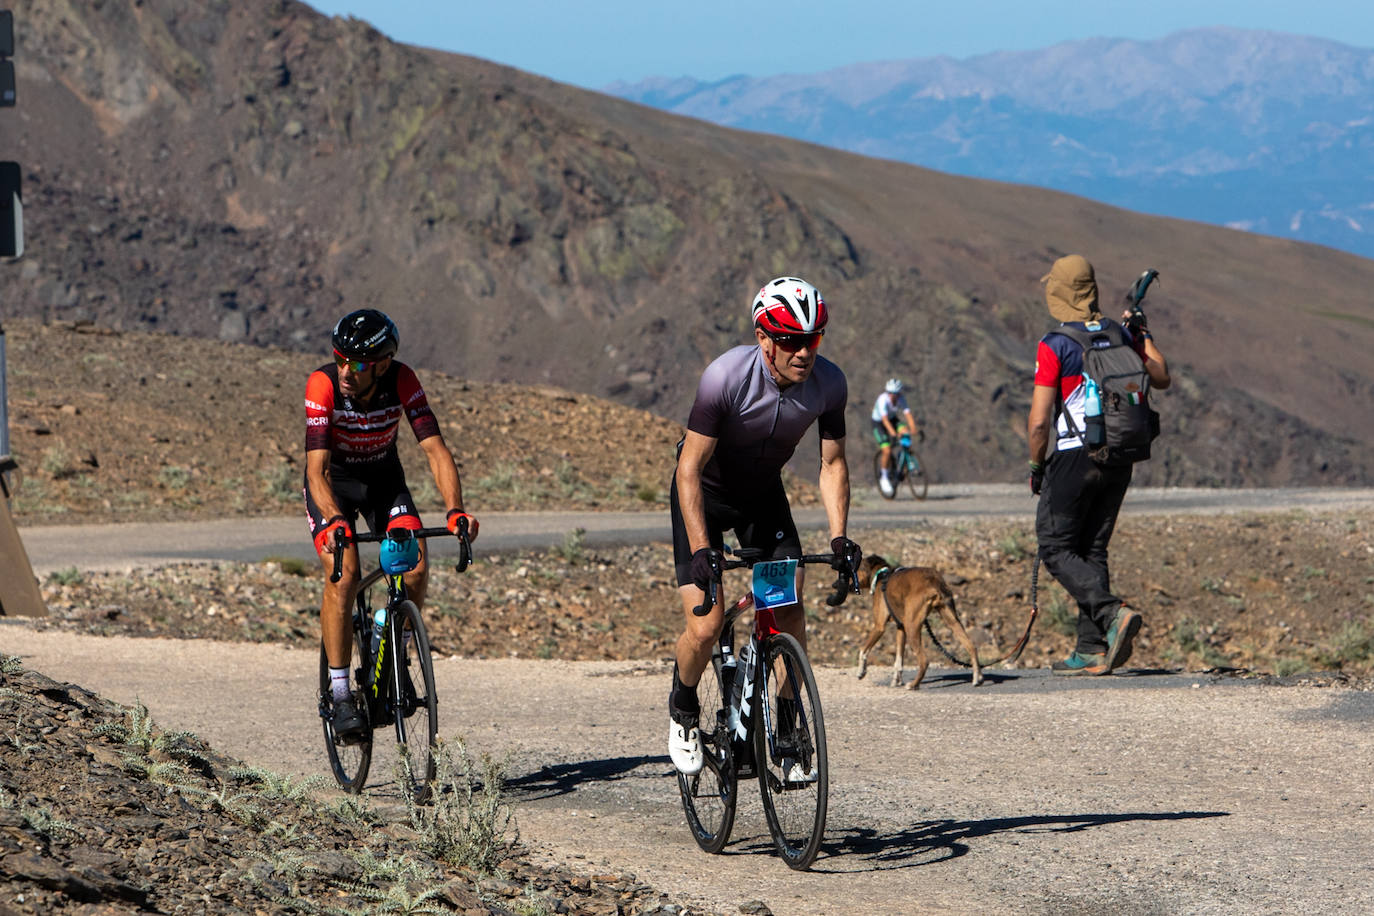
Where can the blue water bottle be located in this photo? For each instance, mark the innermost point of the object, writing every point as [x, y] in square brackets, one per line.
[378, 625]
[1095, 428]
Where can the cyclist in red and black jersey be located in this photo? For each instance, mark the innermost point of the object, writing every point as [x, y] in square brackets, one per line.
[353, 411]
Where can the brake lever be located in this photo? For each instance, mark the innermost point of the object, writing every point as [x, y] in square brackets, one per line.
[464, 547]
[701, 610]
[339, 545]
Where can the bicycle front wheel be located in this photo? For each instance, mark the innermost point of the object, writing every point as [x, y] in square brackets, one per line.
[916, 477]
[416, 705]
[789, 751]
[350, 762]
[708, 798]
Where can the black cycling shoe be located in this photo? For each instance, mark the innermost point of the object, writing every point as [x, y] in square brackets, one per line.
[347, 722]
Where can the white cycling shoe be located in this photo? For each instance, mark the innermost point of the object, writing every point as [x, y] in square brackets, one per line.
[684, 747]
[793, 772]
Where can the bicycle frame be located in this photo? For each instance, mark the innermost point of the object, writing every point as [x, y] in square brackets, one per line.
[391, 632]
[391, 635]
[903, 462]
[741, 712]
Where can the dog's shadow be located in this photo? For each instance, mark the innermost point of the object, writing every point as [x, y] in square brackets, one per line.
[947, 679]
[860, 849]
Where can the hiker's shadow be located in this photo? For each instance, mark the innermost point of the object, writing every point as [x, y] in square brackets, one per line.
[564, 778]
[860, 849]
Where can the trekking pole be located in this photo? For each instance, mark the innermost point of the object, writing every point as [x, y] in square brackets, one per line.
[1136, 294]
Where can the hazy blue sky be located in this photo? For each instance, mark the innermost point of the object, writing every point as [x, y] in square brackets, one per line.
[593, 42]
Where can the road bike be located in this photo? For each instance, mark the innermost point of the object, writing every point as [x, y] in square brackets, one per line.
[903, 466]
[395, 672]
[778, 738]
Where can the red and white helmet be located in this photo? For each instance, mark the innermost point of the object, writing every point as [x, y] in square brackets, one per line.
[788, 305]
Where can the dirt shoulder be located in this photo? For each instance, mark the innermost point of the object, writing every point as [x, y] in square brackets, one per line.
[1274, 593]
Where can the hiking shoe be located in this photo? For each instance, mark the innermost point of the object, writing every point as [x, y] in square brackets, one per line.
[1081, 663]
[347, 722]
[684, 745]
[1120, 636]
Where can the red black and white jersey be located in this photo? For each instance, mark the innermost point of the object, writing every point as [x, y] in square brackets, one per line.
[363, 438]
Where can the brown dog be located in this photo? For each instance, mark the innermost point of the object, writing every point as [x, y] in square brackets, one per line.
[907, 594]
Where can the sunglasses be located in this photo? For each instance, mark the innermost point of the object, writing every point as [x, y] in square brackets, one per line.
[794, 342]
[357, 365]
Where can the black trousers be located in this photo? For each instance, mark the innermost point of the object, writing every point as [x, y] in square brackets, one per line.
[1079, 502]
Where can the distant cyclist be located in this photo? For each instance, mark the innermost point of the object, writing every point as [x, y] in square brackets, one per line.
[891, 420]
[752, 407]
[353, 409]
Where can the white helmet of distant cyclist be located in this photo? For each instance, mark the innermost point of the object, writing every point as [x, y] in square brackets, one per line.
[893, 386]
[789, 305]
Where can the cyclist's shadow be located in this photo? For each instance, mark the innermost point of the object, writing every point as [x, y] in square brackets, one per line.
[564, 778]
[859, 849]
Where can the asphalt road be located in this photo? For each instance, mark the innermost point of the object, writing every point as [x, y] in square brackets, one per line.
[121, 546]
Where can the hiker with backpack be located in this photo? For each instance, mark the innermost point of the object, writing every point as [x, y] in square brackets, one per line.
[1090, 422]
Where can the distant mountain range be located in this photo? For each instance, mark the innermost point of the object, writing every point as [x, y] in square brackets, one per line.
[1261, 131]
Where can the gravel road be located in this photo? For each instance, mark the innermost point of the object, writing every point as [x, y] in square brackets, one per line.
[1147, 794]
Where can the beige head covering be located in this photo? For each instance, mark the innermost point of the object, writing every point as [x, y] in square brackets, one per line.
[1071, 289]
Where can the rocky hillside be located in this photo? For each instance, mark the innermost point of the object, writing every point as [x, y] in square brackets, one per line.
[246, 171]
[136, 426]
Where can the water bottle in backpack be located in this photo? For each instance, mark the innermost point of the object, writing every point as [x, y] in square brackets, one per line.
[1094, 426]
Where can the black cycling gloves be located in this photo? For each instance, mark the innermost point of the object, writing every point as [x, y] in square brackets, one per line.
[847, 553]
[706, 566]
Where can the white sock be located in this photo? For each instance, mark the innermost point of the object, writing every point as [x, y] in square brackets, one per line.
[338, 683]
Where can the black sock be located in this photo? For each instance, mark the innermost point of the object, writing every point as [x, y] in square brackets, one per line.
[682, 700]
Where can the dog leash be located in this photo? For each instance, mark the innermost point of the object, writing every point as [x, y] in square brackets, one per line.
[1016, 650]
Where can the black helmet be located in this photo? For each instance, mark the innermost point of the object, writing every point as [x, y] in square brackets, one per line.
[366, 334]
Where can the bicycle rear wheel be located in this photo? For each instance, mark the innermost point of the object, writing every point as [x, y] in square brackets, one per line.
[350, 762]
[708, 798]
[916, 477]
[418, 721]
[878, 477]
[790, 753]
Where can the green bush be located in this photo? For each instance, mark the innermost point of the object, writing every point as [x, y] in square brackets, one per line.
[468, 823]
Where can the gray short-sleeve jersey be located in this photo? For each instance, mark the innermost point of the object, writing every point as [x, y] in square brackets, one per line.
[757, 425]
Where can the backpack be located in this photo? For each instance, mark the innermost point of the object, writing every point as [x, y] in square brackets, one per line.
[1128, 424]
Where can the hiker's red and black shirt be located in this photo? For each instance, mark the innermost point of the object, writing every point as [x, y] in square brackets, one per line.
[1059, 364]
[362, 440]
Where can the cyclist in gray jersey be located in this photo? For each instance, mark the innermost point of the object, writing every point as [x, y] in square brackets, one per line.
[753, 405]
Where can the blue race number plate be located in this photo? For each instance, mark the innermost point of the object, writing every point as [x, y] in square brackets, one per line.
[775, 583]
